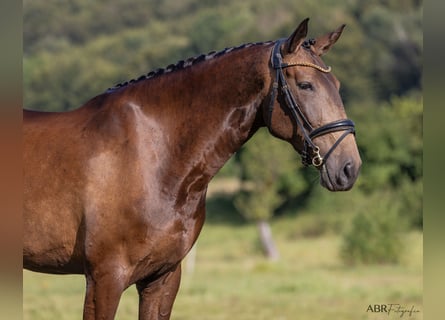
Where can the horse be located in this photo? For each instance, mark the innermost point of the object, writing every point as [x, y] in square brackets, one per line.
[115, 190]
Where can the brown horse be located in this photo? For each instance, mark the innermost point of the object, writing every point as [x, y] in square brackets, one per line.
[116, 189]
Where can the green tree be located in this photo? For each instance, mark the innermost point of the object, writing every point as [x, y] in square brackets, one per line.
[391, 146]
[267, 165]
[395, 31]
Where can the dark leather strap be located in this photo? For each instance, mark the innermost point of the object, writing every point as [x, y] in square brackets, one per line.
[339, 125]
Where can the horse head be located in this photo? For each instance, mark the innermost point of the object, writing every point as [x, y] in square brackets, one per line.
[305, 108]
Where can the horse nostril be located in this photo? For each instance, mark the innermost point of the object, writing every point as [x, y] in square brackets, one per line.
[346, 175]
[348, 170]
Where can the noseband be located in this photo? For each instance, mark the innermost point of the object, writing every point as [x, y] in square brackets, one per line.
[309, 133]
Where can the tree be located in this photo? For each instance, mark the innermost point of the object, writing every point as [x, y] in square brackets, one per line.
[267, 164]
[391, 146]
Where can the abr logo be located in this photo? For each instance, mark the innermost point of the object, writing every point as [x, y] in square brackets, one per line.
[390, 308]
[377, 308]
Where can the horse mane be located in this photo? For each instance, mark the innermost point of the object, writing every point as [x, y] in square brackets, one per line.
[182, 64]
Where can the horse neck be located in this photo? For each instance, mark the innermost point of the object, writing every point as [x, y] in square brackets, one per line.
[208, 111]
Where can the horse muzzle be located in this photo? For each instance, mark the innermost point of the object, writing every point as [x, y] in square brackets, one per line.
[340, 178]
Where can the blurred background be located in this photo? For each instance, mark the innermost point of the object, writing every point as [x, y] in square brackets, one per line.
[276, 245]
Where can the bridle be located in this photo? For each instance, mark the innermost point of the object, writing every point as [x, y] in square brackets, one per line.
[309, 146]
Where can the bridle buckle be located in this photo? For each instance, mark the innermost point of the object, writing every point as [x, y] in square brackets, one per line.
[317, 160]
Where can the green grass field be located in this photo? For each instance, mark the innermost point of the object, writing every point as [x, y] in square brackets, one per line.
[232, 280]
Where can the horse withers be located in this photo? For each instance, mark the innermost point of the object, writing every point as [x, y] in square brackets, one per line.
[116, 189]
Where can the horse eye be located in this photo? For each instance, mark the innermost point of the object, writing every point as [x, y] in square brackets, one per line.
[305, 86]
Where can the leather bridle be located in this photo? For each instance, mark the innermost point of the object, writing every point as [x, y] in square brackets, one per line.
[309, 133]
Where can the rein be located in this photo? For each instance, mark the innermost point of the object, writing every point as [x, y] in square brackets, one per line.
[301, 121]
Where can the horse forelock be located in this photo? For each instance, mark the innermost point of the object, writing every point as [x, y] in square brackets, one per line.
[182, 64]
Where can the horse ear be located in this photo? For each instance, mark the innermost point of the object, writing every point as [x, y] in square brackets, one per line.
[324, 43]
[297, 37]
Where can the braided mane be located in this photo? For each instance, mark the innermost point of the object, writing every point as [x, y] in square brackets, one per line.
[182, 64]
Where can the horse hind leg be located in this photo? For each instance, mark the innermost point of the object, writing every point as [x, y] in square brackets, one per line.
[156, 298]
